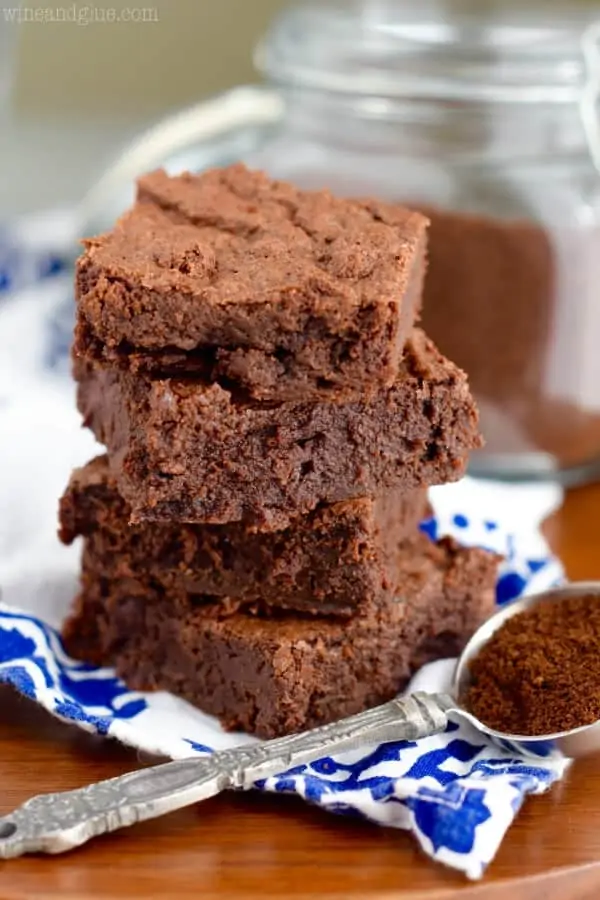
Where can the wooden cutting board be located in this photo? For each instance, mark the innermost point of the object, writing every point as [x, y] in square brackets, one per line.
[254, 846]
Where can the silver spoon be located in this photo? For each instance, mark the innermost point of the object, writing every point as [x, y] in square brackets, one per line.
[54, 823]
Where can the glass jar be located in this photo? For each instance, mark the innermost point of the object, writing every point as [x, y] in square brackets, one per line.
[484, 115]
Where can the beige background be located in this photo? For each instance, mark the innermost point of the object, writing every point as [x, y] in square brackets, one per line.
[82, 91]
[195, 47]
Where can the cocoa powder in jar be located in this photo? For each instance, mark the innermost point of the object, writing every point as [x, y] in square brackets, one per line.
[495, 301]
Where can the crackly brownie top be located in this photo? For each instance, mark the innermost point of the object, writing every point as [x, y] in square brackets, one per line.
[235, 236]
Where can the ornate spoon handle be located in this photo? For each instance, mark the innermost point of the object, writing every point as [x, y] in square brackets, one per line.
[53, 823]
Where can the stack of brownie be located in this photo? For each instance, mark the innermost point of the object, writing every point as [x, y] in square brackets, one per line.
[247, 354]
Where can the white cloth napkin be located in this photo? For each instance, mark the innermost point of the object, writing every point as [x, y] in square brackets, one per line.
[457, 792]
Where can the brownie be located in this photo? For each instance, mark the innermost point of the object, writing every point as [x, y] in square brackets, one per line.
[289, 294]
[278, 675]
[190, 451]
[329, 562]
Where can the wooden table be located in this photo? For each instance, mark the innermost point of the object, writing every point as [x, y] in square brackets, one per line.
[257, 846]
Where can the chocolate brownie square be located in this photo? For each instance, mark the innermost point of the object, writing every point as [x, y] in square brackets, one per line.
[289, 294]
[329, 562]
[190, 451]
[278, 675]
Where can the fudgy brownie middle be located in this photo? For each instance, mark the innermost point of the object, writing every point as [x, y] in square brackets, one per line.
[184, 450]
[332, 561]
[277, 675]
[290, 294]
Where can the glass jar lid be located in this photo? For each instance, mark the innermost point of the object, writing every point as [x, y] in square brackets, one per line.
[511, 51]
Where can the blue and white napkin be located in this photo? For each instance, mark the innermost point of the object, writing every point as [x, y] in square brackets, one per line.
[457, 792]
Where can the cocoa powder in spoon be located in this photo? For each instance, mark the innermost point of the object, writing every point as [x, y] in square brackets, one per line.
[540, 672]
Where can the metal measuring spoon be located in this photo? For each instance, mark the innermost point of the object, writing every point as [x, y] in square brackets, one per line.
[53, 823]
